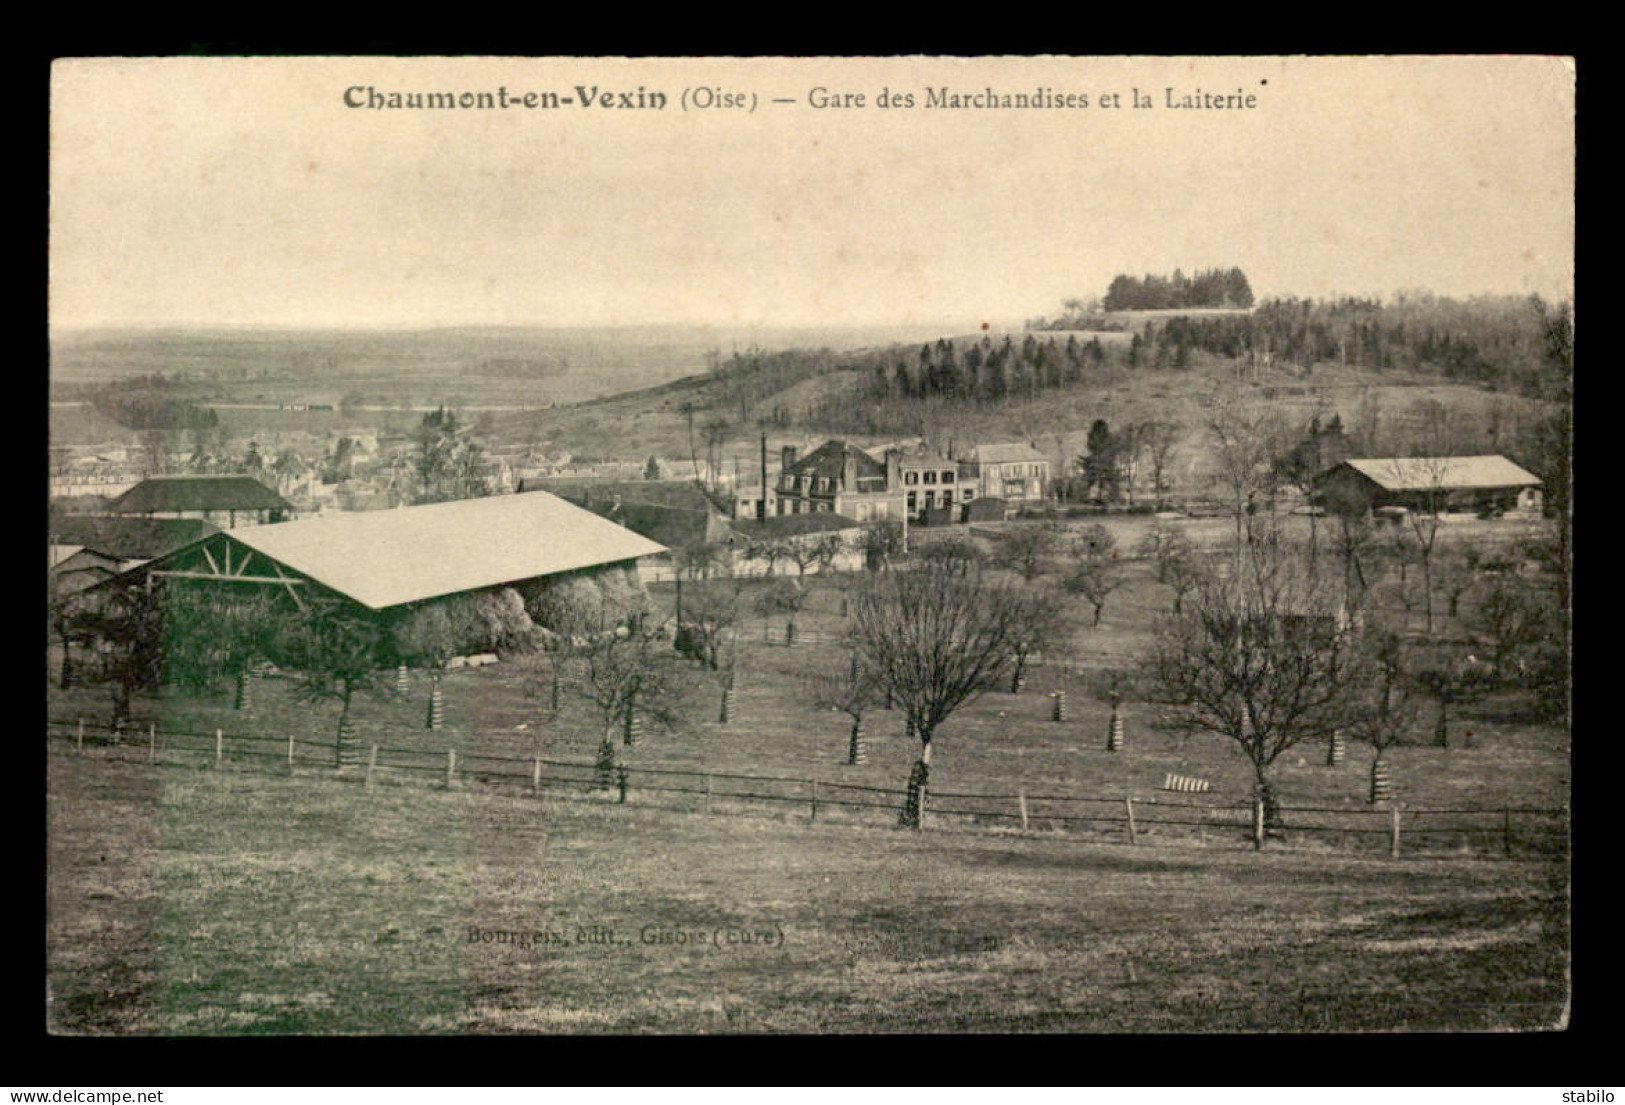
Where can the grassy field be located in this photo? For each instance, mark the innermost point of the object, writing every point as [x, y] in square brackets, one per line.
[203, 902]
[1502, 753]
[257, 899]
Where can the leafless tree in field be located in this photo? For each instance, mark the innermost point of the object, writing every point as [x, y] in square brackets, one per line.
[846, 684]
[1026, 550]
[1039, 625]
[1095, 572]
[937, 641]
[1255, 658]
[1246, 443]
[627, 682]
[1389, 696]
[1174, 560]
[1159, 438]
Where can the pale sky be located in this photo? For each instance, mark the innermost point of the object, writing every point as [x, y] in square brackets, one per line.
[246, 192]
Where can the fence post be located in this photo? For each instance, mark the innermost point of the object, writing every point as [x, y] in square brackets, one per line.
[1258, 822]
[1506, 831]
[152, 742]
[219, 747]
[1021, 804]
[290, 749]
[708, 794]
[621, 773]
[1393, 835]
[451, 767]
[79, 741]
[814, 783]
[536, 776]
[1128, 804]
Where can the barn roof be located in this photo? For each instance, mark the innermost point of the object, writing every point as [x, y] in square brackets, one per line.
[180, 493]
[127, 537]
[1428, 473]
[794, 525]
[384, 558]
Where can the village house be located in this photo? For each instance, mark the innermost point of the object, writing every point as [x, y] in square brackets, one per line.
[934, 486]
[1015, 472]
[840, 478]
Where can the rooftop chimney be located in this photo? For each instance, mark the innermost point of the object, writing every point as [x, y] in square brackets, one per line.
[787, 457]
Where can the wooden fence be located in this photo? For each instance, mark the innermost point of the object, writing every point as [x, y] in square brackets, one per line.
[1522, 831]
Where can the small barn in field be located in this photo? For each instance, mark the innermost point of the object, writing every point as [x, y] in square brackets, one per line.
[1428, 484]
[385, 564]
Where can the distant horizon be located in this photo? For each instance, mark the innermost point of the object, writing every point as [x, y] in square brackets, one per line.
[956, 325]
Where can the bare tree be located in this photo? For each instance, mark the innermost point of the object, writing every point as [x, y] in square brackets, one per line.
[1174, 560]
[627, 682]
[1026, 550]
[956, 554]
[706, 629]
[1246, 442]
[1038, 625]
[1159, 438]
[1255, 660]
[1095, 571]
[880, 542]
[846, 684]
[937, 641]
[1511, 616]
[1390, 699]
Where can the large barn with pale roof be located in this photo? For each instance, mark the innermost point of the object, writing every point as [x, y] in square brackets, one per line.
[385, 562]
[1431, 484]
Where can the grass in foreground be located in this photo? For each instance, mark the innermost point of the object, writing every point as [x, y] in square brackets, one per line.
[196, 902]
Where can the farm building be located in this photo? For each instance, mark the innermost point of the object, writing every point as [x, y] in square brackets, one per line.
[1430, 484]
[126, 537]
[229, 501]
[72, 568]
[385, 564]
[802, 532]
[674, 513]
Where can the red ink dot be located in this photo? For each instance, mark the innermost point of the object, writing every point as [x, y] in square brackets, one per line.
[985, 326]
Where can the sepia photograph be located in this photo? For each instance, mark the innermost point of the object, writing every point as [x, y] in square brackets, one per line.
[809, 546]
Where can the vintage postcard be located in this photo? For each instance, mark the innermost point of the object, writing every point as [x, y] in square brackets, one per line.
[809, 545]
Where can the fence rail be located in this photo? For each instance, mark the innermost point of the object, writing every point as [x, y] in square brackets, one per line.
[1517, 830]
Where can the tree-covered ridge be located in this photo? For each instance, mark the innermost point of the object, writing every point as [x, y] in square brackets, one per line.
[1208, 288]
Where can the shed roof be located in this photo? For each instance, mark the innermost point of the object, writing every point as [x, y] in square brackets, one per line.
[127, 537]
[384, 558]
[1428, 473]
[179, 493]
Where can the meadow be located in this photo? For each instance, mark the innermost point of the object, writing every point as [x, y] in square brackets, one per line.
[247, 896]
[221, 903]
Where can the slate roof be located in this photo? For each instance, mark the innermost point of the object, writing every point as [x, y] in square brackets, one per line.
[184, 493]
[1427, 473]
[829, 460]
[794, 525]
[385, 558]
[128, 537]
